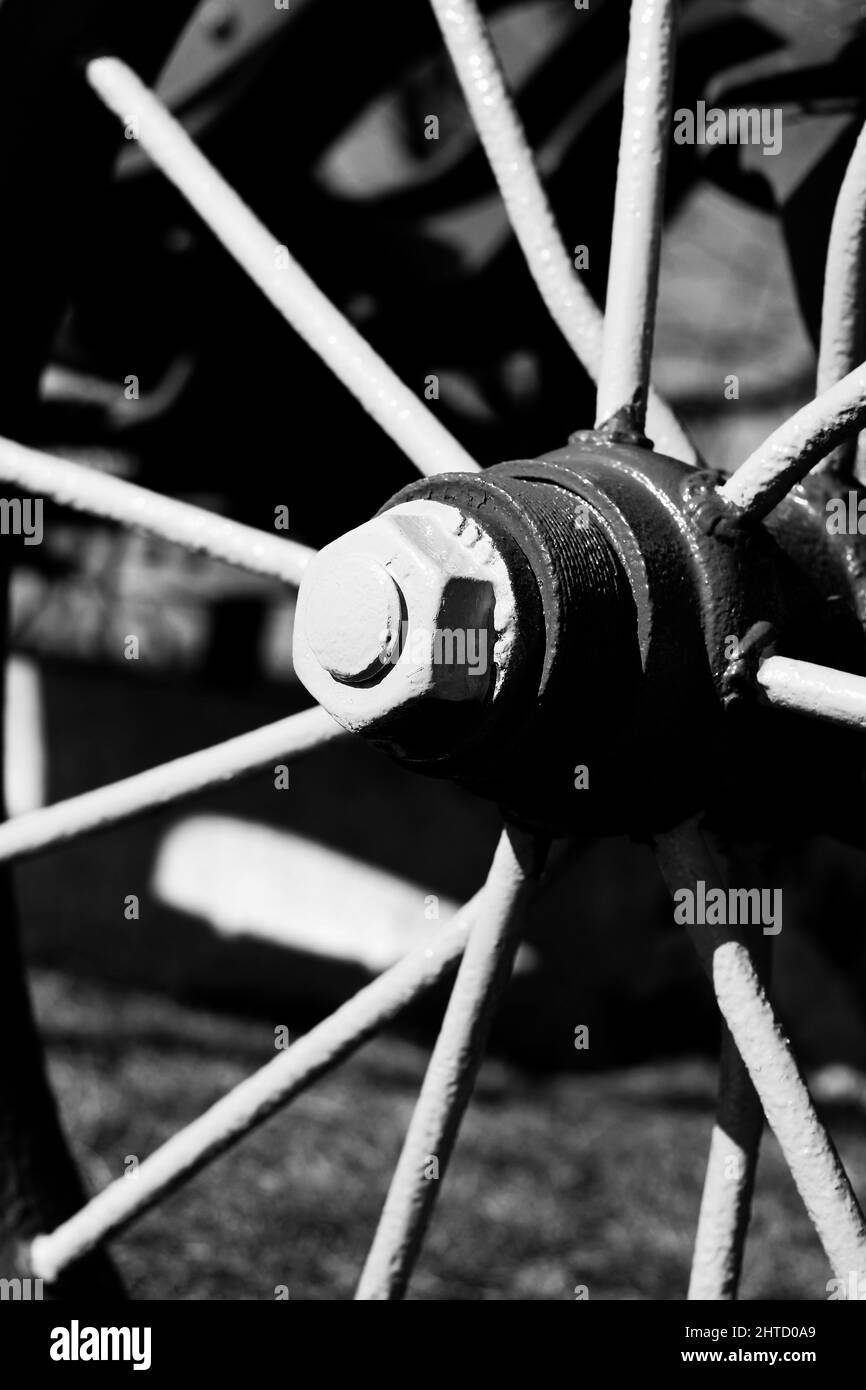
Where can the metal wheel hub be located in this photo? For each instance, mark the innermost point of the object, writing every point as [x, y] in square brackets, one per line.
[623, 612]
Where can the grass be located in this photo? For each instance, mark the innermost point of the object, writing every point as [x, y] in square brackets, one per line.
[557, 1181]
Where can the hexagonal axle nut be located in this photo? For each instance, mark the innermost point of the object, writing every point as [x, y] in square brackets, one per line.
[412, 611]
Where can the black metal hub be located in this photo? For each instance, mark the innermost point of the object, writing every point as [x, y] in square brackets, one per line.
[650, 608]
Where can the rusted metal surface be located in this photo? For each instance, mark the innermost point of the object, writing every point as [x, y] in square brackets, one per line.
[841, 348]
[278, 275]
[730, 962]
[797, 446]
[632, 289]
[452, 1071]
[836, 697]
[119, 802]
[253, 1101]
[84, 489]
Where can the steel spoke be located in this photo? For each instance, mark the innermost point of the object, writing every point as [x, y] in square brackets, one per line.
[795, 447]
[451, 1074]
[842, 345]
[88, 490]
[254, 1100]
[835, 696]
[135, 796]
[729, 1181]
[761, 1042]
[501, 132]
[732, 1161]
[632, 286]
[401, 414]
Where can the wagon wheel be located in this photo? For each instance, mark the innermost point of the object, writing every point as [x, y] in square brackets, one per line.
[624, 595]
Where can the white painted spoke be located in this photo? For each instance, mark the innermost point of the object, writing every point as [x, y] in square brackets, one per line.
[795, 447]
[842, 345]
[729, 1182]
[819, 691]
[501, 132]
[766, 1052]
[99, 494]
[632, 287]
[253, 1101]
[269, 264]
[450, 1078]
[135, 796]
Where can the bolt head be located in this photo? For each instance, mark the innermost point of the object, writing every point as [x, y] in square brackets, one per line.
[352, 617]
[414, 608]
